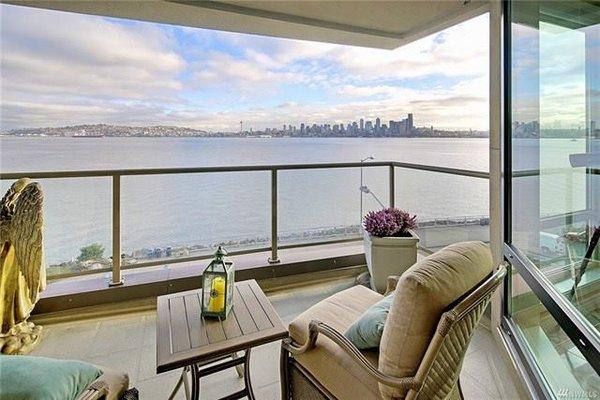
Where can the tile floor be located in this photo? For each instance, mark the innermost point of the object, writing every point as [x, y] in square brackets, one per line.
[128, 343]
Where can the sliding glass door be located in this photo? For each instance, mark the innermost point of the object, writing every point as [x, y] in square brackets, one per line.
[552, 192]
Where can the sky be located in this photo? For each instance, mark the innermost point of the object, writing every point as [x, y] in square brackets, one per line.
[62, 69]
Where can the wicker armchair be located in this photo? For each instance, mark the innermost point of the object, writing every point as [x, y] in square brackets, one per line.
[437, 369]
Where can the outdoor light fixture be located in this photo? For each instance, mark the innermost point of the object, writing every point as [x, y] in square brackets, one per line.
[362, 187]
[218, 280]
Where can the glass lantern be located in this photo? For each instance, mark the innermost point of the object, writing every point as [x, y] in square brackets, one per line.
[217, 286]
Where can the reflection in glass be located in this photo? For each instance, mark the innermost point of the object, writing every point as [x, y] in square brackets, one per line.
[556, 186]
[555, 141]
[566, 371]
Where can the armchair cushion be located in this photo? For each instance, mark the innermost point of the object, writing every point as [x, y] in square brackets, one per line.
[365, 332]
[27, 377]
[327, 362]
[423, 293]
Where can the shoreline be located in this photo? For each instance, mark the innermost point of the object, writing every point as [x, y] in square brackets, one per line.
[325, 234]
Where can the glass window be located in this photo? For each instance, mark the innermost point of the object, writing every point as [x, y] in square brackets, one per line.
[555, 145]
[555, 140]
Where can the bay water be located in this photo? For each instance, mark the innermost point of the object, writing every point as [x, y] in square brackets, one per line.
[179, 210]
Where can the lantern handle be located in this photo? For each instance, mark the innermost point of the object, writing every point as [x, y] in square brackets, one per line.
[220, 253]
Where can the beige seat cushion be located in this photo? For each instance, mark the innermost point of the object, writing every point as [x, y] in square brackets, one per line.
[423, 293]
[328, 363]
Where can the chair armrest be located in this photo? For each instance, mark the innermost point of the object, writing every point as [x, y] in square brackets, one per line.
[392, 282]
[317, 327]
[97, 390]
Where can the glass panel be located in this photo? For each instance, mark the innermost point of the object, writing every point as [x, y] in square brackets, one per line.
[77, 211]
[334, 199]
[450, 208]
[170, 216]
[556, 145]
[77, 223]
[566, 371]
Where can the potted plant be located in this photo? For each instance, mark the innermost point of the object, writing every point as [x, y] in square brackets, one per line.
[390, 244]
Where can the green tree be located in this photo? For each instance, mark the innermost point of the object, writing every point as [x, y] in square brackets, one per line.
[94, 251]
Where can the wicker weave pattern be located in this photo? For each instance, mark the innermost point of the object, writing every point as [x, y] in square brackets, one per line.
[95, 391]
[301, 386]
[452, 338]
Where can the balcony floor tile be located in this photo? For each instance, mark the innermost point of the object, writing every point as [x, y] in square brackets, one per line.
[127, 343]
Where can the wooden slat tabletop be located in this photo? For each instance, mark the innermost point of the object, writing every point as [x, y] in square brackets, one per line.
[184, 337]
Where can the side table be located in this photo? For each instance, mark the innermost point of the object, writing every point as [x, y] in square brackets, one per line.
[184, 339]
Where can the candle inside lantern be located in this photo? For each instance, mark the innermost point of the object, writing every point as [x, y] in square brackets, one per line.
[217, 295]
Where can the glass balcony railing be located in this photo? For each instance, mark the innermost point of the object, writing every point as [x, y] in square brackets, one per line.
[175, 215]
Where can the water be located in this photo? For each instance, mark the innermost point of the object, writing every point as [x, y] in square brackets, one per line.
[176, 210]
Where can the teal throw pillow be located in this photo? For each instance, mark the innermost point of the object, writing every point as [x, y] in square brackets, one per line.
[365, 332]
[27, 378]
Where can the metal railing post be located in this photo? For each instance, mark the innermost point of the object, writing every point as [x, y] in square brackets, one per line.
[274, 259]
[116, 231]
[392, 177]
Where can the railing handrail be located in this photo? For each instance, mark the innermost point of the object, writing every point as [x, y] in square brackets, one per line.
[237, 168]
[443, 170]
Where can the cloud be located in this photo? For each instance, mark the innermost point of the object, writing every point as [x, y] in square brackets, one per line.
[461, 105]
[287, 104]
[86, 69]
[463, 52]
[368, 91]
[220, 69]
[275, 52]
[81, 64]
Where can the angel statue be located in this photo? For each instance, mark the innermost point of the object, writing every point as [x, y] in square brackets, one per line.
[22, 270]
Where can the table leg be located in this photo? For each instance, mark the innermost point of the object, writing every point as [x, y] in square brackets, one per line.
[197, 373]
[186, 384]
[195, 382]
[247, 376]
[183, 380]
[284, 372]
[239, 368]
[178, 385]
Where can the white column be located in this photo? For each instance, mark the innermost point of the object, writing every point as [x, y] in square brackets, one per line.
[496, 124]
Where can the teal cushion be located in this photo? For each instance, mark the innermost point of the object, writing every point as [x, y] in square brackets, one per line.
[366, 331]
[27, 378]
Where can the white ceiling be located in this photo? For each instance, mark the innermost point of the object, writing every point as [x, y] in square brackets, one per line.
[381, 24]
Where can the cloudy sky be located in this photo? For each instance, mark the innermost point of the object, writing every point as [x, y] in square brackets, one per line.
[63, 69]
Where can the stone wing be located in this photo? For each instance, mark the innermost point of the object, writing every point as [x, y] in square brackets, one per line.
[26, 229]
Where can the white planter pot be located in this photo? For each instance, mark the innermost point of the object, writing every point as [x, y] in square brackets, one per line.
[389, 256]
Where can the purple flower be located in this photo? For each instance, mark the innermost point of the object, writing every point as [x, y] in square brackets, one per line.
[389, 222]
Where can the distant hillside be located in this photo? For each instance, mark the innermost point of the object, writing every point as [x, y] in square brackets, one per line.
[109, 130]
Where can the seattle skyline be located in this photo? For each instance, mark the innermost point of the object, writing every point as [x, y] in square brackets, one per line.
[352, 129]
